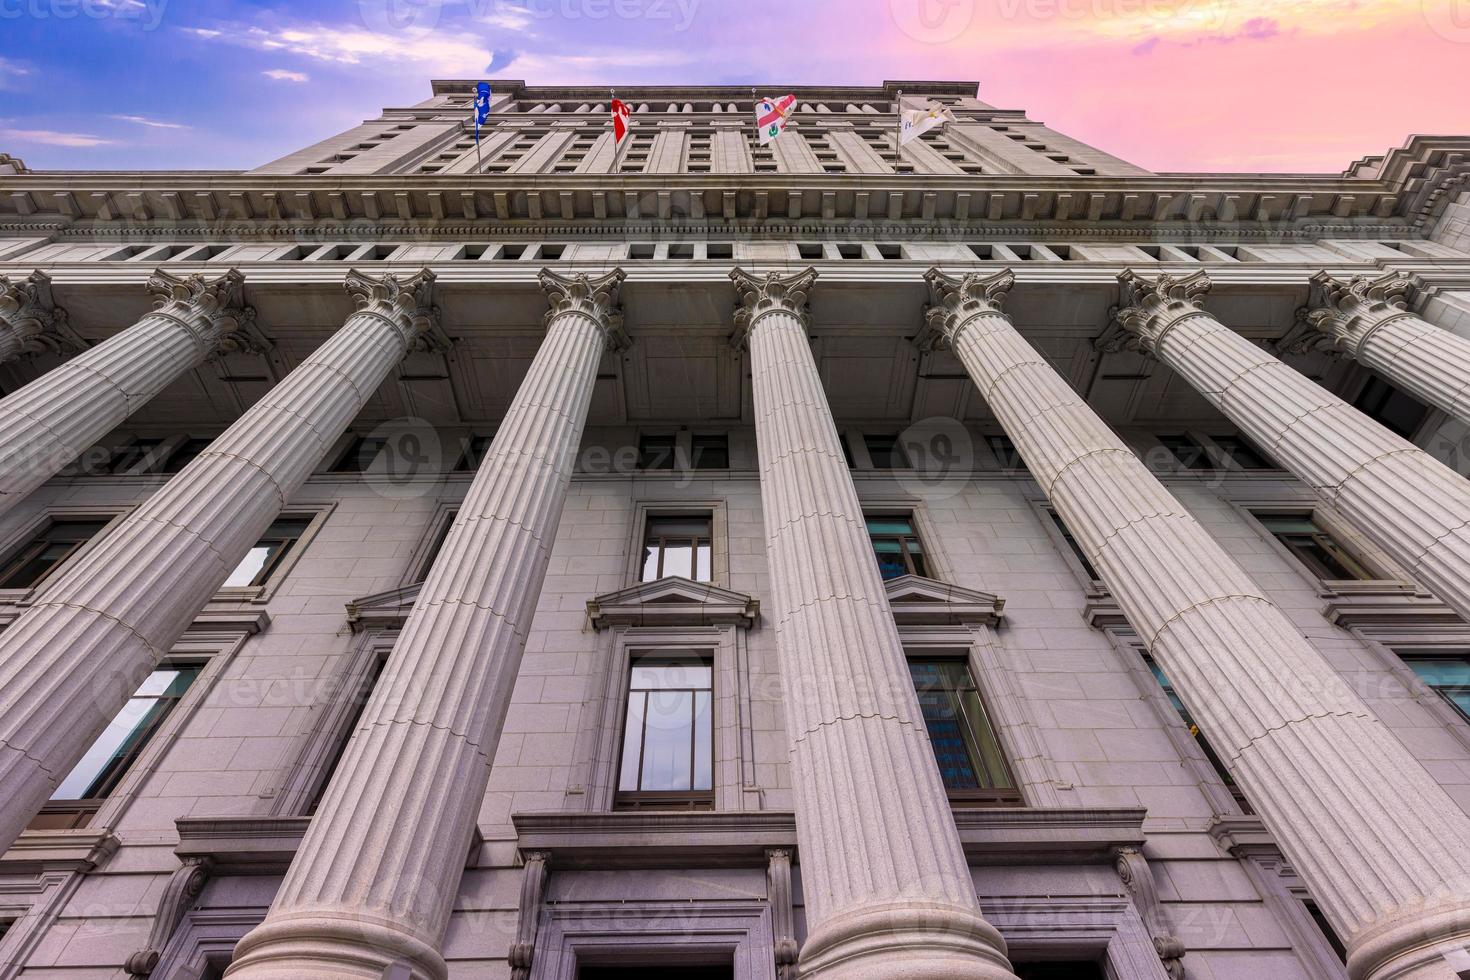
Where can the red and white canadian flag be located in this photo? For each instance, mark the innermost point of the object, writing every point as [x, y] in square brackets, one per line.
[622, 118]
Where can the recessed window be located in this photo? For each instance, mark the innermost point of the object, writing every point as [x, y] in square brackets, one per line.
[641, 251]
[890, 252]
[719, 251]
[1006, 454]
[33, 562]
[886, 453]
[1328, 933]
[809, 251]
[551, 252]
[1446, 675]
[1188, 453]
[970, 760]
[668, 734]
[360, 697]
[677, 546]
[1389, 407]
[510, 253]
[656, 452]
[474, 454]
[1243, 451]
[681, 251]
[897, 547]
[850, 251]
[132, 455]
[359, 454]
[1071, 541]
[1313, 545]
[93, 779]
[261, 561]
[184, 454]
[710, 452]
[1058, 970]
[1204, 744]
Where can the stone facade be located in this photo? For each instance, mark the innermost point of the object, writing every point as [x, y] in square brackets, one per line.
[347, 468]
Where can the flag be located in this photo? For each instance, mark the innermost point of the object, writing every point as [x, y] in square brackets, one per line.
[771, 116]
[482, 107]
[622, 118]
[914, 123]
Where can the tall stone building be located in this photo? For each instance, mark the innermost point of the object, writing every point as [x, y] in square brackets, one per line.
[989, 558]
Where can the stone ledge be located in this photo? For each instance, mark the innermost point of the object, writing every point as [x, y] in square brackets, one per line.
[59, 850]
[990, 836]
[1241, 835]
[248, 845]
[1384, 603]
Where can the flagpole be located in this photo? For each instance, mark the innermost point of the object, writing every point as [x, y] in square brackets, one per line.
[898, 127]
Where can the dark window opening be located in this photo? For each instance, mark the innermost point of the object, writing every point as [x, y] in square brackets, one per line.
[360, 698]
[1243, 452]
[1190, 454]
[668, 734]
[896, 546]
[681, 251]
[1391, 408]
[710, 452]
[809, 251]
[1077, 551]
[1006, 454]
[1058, 970]
[1446, 675]
[886, 452]
[969, 756]
[133, 454]
[187, 451]
[656, 452]
[1328, 933]
[644, 251]
[33, 562]
[475, 449]
[677, 546]
[359, 455]
[261, 561]
[719, 251]
[1215, 761]
[655, 973]
[1313, 546]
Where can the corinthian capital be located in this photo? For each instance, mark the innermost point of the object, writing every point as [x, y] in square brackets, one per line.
[774, 293]
[407, 303]
[954, 300]
[30, 320]
[1350, 312]
[211, 309]
[1151, 309]
[596, 299]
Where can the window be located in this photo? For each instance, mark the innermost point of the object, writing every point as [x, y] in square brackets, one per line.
[687, 972]
[360, 699]
[1006, 453]
[34, 561]
[95, 777]
[668, 735]
[897, 547]
[1246, 455]
[359, 454]
[1058, 970]
[1081, 556]
[1313, 546]
[677, 546]
[1190, 454]
[1389, 407]
[1328, 933]
[265, 557]
[711, 452]
[966, 750]
[1195, 733]
[1447, 676]
[656, 453]
[133, 454]
[474, 454]
[886, 453]
[186, 453]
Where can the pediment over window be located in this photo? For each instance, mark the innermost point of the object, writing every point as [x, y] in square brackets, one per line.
[383, 610]
[919, 601]
[673, 601]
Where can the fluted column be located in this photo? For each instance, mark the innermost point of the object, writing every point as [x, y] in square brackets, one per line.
[1408, 503]
[1382, 846]
[374, 880]
[30, 320]
[1369, 321]
[69, 663]
[52, 420]
[888, 891]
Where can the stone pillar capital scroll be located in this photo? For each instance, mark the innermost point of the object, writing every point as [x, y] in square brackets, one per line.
[208, 309]
[773, 293]
[954, 300]
[1350, 313]
[595, 298]
[408, 304]
[30, 320]
[1150, 309]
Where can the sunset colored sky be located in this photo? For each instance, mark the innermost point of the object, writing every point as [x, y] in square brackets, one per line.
[1173, 85]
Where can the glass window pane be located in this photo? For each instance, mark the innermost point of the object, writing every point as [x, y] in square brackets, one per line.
[890, 525]
[704, 742]
[702, 564]
[668, 741]
[665, 675]
[632, 739]
[679, 558]
[1288, 523]
[249, 567]
[670, 527]
[109, 745]
[1441, 672]
[887, 546]
[982, 743]
[650, 563]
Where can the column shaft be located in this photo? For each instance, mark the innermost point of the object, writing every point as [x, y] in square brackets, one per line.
[1408, 503]
[375, 878]
[52, 420]
[70, 662]
[887, 888]
[1368, 321]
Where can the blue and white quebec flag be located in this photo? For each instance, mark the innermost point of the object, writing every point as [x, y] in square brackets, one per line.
[482, 107]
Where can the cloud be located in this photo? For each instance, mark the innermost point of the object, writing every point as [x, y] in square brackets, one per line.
[52, 138]
[11, 70]
[151, 123]
[349, 46]
[282, 75]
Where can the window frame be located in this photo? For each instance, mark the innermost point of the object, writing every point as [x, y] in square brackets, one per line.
[281, 565]
[665, 800]
[1345, 554]
[999, 796]
[26, 533]
[37, 544]
[707, 540]
[1405, 654]
[715, 509]
[916, 533]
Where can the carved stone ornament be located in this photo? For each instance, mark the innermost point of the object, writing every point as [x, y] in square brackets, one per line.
[407, 303]
[1133, 869]
[774, 293]
[183, 887]
[595, 298]
[1151, 309]
[36, 323]
[953, 300]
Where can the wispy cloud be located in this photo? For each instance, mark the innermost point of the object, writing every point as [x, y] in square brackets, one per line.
[151, 123]
[50, 137]
[282, 75]
[10, 70]
[349, 46]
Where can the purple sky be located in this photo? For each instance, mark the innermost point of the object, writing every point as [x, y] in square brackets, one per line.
[1174, 85]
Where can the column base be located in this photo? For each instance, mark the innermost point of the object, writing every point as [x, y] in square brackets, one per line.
[909, 941]
[1423, 945]
[322, 946]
